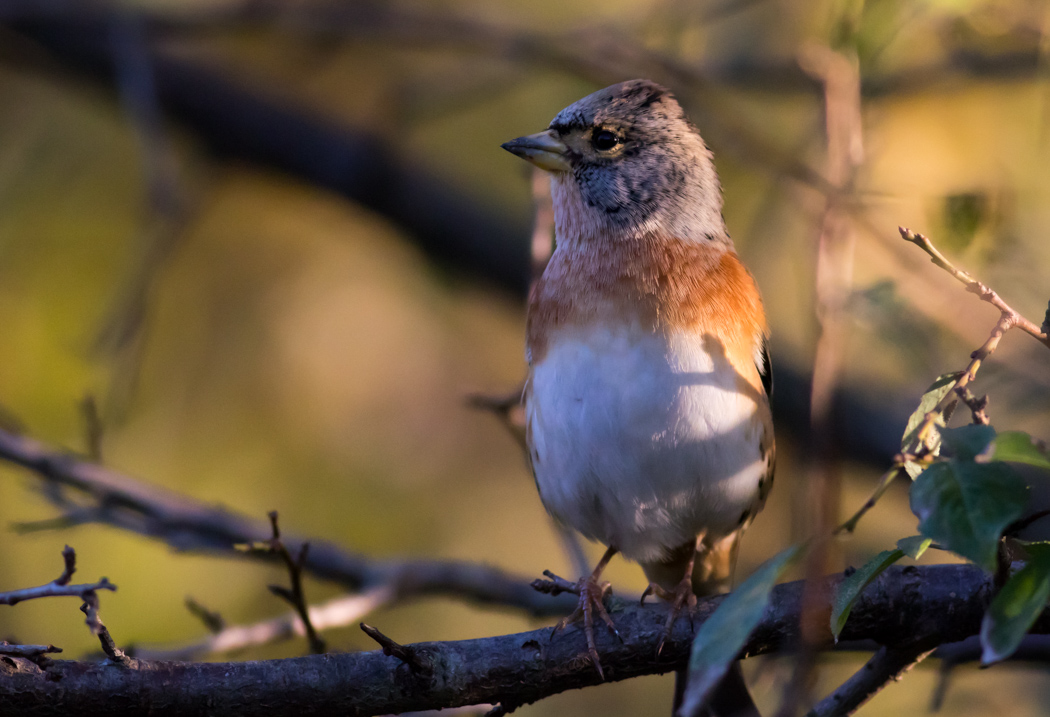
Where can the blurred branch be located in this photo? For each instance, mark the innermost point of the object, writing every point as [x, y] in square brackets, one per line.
[168, 208]
[105, 496]
[340, 612]
[941, 603]
[839, 75]
[887, 665]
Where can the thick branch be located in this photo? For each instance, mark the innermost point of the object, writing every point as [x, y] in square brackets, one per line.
[185, 524]
[945, 602]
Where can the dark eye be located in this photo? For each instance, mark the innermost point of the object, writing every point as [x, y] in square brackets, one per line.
[604, 140]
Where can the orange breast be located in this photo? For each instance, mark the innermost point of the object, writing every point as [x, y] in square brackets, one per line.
[664, 283]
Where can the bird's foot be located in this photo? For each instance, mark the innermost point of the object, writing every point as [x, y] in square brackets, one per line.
[592, 602]
[682, 596]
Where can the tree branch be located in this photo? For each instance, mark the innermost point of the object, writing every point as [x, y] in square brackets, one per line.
[59, 587]
[942, 603]
[105, 496]
[885, 666]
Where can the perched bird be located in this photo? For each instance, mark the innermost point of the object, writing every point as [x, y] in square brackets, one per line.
[648, 421]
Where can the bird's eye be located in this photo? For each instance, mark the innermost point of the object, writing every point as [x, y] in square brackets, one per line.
[604, 140]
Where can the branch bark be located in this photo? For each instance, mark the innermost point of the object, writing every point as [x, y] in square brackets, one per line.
[942, 603]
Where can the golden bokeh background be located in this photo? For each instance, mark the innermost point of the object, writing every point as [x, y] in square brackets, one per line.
[298, 351]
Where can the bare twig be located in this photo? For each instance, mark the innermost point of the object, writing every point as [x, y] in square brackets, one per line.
[294, 596]
[885, 666]
[409, 655]
[105, 496]
[211, 619]
[983, 291]
[884, 484]
[59, 587]
[1009, 318]
[90, 608]
[340, 612]
[29, 651]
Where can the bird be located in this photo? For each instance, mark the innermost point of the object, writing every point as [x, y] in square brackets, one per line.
[648, 424]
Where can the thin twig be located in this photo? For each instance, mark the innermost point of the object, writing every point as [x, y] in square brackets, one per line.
[6, 648]
[884, 484]
[410, 655]
[211, 619]
[982, 290]
[59, 587]
[90, 608]
[887, 665]
[1009, 318]
[294, 596]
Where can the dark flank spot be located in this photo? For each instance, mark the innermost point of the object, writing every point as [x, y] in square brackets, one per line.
[744, 517]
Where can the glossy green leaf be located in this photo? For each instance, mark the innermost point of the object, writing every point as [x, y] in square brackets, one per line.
[966, 442]
[1016, 607]
[910, 441]
[914, 546]
[1016, 447]
[722, 636]
[853, 585]
[965, 506]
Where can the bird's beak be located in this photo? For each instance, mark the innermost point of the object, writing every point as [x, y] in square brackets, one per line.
[543, 149]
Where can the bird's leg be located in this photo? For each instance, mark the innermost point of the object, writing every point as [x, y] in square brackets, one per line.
[592, 600]
[681, 596]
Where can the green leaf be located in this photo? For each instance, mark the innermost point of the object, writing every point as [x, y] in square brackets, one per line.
[910, 442]
[965, 506]
[1016, 607]
[1016, 447]
[914, 546]
[966, 442]
[722, 636]
[854, 585]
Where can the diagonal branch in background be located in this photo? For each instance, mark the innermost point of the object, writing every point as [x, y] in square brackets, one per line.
[944, 603]
[887, 665]
[105, 496]
[340, 612]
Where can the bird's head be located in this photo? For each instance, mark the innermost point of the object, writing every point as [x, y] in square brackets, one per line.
[626, 162]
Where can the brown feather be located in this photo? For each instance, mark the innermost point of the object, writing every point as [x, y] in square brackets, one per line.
[664, 283]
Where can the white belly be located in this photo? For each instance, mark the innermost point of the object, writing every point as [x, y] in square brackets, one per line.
[642, 441]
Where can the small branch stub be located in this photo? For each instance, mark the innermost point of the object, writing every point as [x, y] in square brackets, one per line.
[416, 661]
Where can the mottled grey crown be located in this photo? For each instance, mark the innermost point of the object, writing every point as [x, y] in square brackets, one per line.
[657, 176]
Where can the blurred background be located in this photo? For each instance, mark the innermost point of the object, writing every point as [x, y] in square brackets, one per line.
[277, 244]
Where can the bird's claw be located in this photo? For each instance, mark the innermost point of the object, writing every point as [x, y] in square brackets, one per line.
[592, 601]
[682, 596]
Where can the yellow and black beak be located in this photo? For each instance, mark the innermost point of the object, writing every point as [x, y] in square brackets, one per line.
[543, 149]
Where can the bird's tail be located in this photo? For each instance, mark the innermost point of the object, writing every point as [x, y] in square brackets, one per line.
[712, 574]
